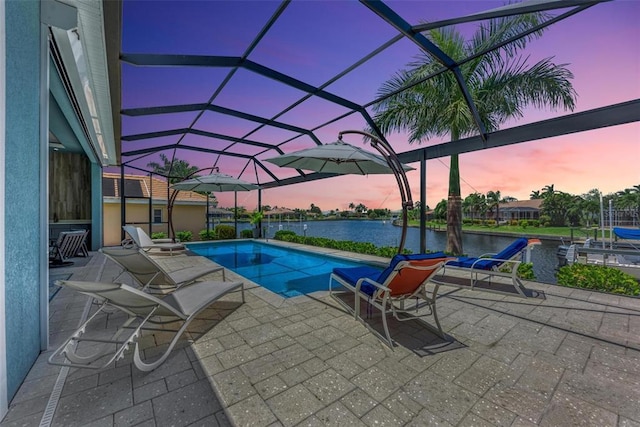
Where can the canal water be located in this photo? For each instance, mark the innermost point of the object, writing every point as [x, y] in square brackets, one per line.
[383, 233]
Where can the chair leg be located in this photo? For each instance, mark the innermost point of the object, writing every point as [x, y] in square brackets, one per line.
[146, 367]
[383, 311]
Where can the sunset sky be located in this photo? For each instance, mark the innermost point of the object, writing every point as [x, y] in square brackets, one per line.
[313, 41]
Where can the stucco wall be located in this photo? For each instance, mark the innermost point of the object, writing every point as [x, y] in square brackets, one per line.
[23, 192]
[185, 218]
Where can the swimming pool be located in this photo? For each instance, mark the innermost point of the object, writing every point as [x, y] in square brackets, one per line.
[285, 271]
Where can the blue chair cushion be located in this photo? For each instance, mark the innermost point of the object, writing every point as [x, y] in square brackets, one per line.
[352, 274]
[507, 253]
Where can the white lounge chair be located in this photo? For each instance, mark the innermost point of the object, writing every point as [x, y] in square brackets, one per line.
[150, 275]
[182, 305]
[143, 241]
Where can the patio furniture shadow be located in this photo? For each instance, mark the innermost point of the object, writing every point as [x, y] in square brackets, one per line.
[414, 336]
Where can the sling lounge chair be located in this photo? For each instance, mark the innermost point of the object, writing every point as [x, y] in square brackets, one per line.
[68, 245]
[150, 275]
[405, 278]
[144, 242]
[480, 272]
[182, 305]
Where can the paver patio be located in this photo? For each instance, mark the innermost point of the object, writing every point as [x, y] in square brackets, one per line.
[570, 359]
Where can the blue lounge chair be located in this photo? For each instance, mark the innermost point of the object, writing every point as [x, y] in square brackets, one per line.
[484, 268]
[405, 278]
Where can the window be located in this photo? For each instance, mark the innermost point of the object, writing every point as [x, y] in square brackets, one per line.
[157, 216]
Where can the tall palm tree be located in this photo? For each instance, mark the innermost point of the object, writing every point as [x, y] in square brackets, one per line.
[500, 82]
[174, 170]
[548, 190]
[440, 211]
[493, 202]
[535, 194]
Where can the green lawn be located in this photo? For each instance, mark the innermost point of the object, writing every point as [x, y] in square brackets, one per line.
[578, 233]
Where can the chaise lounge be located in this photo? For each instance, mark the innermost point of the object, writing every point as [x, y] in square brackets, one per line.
[404, 279]
[150, 275]
[144, 242]
[481, 272]
[182, 305]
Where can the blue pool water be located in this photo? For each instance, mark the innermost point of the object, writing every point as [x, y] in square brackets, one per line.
[287, 272]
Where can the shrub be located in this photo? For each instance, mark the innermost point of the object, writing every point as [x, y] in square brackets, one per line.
[281, 234]
[523, 223]
[184, 236]
[246, 234]
[207, 234]
[224, 231]
[545, 220]
[467, 221]
[534, 223]
[525, 270]
[513, 222]
[599, 278]
[159, 235]
[343, 245]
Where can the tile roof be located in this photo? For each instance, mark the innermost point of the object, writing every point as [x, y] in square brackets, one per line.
[522, 204]
[141, 185]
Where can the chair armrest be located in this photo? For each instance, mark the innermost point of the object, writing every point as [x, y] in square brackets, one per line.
[502, 261]
[488, 255]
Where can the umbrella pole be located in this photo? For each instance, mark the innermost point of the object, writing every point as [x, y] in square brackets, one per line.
[394, 163]
[235, 203]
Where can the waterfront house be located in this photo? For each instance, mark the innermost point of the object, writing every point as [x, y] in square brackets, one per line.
[520, 209]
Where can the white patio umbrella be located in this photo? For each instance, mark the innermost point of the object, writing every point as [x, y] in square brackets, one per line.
[215, 182]
[342, 158]
[336, 157]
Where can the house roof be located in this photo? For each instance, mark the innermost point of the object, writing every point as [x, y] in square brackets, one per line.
[522, 204]
[141, 186]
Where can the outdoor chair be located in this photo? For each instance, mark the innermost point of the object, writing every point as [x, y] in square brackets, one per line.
[183, 305]
[150, 275]
[480, 272]
[144, 242]
[68, 245]
[404, 279]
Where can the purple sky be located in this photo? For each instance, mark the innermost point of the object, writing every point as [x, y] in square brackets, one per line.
[314, 40]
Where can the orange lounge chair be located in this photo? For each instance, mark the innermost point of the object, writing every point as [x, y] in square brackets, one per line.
[405, 278]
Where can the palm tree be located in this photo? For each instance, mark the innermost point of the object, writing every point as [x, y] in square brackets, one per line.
[500, 82]
[535, 194]
[440, 211]
[493, 202]
[175, 170]
[629, 201]
[474, 203]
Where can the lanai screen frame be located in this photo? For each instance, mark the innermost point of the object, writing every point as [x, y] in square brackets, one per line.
[611, 115]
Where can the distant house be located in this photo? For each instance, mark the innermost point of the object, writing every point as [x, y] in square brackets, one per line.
[216, 215]
[146, 206]
[521, 209]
